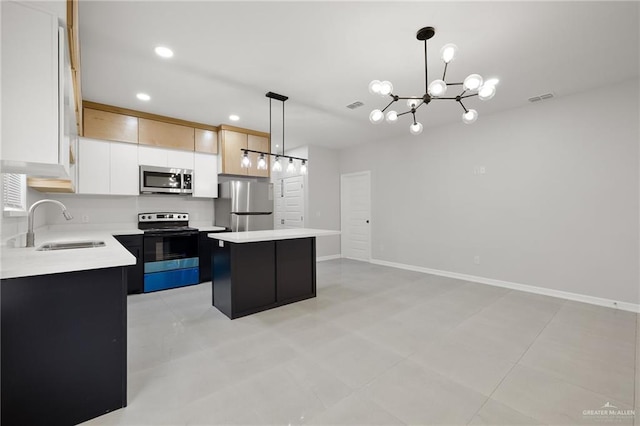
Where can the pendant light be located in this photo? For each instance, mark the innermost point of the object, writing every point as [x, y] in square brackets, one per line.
[473, 85]
[277, 165]
[262, 163]
[245, 162]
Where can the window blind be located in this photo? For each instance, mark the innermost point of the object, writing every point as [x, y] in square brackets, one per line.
[14, 190]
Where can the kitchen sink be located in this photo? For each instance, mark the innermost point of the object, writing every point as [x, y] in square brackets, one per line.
[70, 245]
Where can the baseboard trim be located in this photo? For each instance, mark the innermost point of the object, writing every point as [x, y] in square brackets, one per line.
[609, 303]
[330, 257]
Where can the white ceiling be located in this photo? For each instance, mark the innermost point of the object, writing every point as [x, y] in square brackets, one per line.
[323, 55]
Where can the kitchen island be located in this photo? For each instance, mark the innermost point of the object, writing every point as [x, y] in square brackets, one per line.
[258, 270]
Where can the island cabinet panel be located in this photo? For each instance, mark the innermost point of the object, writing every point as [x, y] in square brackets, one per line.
[255, 267]
[295, 262]
[205, 245]
[256, 276]
[64, 347]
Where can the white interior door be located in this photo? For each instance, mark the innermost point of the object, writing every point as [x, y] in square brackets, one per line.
[289, 203]
[355, 214]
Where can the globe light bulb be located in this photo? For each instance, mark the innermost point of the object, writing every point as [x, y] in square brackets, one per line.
[376, 116]
[374, 87]
[448, 52]
[277, 166]
[163, 51]
[491, 82]
[412, 103]
[262, 163]
[470, 116]
[437, 88]
[245, 162]
[486, 92]
[392, 117]
[473, 82]
[291, 167]
[415, 128]
[303, 167]
[386, 88]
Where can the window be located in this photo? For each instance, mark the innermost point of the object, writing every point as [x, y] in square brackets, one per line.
[14, 194]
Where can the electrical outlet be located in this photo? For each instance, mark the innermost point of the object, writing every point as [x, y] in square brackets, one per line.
[85, 218]
[476, 260]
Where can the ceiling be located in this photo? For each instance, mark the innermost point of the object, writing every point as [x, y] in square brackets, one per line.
[323, 55]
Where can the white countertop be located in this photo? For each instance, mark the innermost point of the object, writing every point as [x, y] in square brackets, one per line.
[275, 234]
[204, 227]
[26, 261]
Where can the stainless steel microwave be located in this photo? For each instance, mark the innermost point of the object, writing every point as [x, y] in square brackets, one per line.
[165, 180]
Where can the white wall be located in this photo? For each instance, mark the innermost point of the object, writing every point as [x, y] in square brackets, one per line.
[323, 195]
[557, 207]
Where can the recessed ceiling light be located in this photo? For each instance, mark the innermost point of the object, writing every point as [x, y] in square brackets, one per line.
[234, 117]
[165, 52]
[143, 97]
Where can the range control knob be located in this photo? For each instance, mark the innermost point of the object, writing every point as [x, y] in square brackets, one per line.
[144, 217]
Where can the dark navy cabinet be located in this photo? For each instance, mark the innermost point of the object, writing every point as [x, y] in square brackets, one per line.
[135, 273]
[256, 276]
[64, 346]
[204, 252]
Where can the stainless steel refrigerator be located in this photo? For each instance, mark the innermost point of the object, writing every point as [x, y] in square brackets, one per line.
[244, 206]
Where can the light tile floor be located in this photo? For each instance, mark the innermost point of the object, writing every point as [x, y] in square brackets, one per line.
[379, 346]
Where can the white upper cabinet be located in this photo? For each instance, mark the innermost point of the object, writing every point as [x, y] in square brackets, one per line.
[205, 179]
[162, 157]
[94, 168]
[33, 92]
[124, 172]
[107, 168]
[149, 156]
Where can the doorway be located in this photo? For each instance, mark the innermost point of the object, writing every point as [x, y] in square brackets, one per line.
[355, 214]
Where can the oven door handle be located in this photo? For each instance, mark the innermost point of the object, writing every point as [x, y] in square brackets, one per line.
[171, 234]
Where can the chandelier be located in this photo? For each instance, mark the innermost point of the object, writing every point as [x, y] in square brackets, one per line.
[245, 161]
[473, 85]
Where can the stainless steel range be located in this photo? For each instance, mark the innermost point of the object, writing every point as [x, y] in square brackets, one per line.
[170, 250]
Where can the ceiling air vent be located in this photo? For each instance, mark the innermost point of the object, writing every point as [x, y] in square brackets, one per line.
[356, 104]
[541, 97]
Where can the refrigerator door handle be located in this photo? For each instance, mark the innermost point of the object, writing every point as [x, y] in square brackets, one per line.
[251, 213]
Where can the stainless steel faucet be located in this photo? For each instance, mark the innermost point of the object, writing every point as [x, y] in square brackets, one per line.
[31, 237]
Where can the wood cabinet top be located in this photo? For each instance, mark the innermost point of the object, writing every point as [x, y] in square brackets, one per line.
[243, 130]
[149, 116]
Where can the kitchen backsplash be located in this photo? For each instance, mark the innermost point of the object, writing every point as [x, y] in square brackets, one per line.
[124, 210]
[12, 226]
